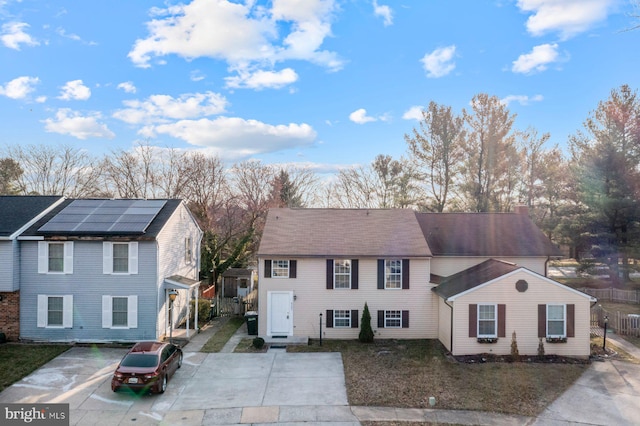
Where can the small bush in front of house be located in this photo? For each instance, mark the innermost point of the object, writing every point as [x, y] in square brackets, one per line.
[204, 310]
[540, 349]
[258, 342]
[515, 354]
[366, 332]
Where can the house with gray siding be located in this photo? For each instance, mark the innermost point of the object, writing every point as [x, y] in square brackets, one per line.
[17, 213]
[102, 270]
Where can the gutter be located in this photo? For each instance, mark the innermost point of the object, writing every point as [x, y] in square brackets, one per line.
[450, 331]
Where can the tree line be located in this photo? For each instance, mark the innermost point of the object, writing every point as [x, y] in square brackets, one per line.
[475, 160]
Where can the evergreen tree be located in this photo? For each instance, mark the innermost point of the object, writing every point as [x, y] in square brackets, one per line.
[366, 332]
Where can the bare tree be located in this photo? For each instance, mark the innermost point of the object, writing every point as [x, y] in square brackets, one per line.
[252, 186]
[10, 173]
[436, 149]
[205, 186]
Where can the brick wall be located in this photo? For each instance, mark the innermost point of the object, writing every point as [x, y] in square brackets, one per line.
[10, 315]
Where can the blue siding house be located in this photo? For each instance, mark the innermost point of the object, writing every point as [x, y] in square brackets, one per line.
[102, 270]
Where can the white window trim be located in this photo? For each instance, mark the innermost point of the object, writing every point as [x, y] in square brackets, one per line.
[273, 269]
[386, 324]
[43, 311]
[336, 274]
[335, 317]
[43, 257]
[495, 321]
[107, 312]
[386, 285]
[564, 321]
[107, 258]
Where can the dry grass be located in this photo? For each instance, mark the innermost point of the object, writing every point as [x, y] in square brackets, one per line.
[222, 336]
[246, 346]
[406, 373]
[18, 360]
[623, 308]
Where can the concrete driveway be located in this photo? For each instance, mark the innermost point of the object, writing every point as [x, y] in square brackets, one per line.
[209, 389]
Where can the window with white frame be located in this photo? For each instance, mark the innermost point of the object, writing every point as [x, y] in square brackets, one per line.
[55, 311]
[341, 318]
[556, 324]
[487, 320]
[119, 258]
[280, 269]
[188, 250]
[392, 319]
[119, 311]
[55, 257]
[393, 273]
[342, 273]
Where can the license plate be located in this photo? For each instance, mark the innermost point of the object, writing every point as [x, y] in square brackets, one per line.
[133, 380]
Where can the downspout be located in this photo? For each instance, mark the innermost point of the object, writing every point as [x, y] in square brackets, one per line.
[451, 325]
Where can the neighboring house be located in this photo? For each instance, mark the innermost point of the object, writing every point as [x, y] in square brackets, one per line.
[17, 213]
[467, 279]
[95, 270]
[237, 282]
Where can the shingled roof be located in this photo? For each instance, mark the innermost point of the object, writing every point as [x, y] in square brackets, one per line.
[484, 234]
[342, 233]
[473, 277]
[17, 211]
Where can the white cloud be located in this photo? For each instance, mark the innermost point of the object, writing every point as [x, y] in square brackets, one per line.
[237, 137]
[439, 62]
[127, 86]
[537, 60]
[13, 35]
[19, 88]
[360, 116]
[262, 79]
[384, 12]
[567, 17]
[521, 99]
[196, 75]
[68, 122]
[246, 34]
[160, 108]
[75, 90]
[413, 113]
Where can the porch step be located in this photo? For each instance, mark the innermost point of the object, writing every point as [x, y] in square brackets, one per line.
[274, 341]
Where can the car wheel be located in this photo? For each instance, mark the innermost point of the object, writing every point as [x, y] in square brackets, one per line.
[179, 360]
[163, 384]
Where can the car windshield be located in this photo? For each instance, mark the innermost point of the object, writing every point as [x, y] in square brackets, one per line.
[140, 360]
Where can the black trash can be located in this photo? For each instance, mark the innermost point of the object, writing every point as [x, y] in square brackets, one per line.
[252, 322]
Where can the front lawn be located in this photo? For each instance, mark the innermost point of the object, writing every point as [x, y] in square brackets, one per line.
[19, 360]
[222, 336]
[405, 373]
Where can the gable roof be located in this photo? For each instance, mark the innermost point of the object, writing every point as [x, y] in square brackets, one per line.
[151, 231]
[18, 211]
[342, 233]
[473, 277]
[484, 234]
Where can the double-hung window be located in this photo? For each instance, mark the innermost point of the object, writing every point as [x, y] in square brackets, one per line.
[393, 273]
[342, 273]
[556, 324]
[119, 258]
[280, 269]
[55, 311]
[55, 257]
[188, 250]
[341, 318]
[487, 320]
[119, 311]
[392, 319]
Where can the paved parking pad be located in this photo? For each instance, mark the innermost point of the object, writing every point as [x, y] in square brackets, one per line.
[208, 389]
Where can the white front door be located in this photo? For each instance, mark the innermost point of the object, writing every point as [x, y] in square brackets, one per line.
[280, 319]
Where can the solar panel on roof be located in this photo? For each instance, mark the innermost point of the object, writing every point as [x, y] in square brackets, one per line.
[104, 216]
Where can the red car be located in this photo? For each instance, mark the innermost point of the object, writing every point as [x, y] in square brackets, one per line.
[147, 367]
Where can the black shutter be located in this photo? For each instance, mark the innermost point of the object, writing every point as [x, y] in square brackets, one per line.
[293, 268]
[380, 274]
[329, 318]
[473, 320]
[542, 320]
[354, 318]
[329, 274]
[354, 274]
[405, 319]
[405, 274]
[380, 319]
[267, 268]
[502, 322]
[571, 320]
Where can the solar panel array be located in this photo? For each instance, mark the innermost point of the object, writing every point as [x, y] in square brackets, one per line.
[104, 217]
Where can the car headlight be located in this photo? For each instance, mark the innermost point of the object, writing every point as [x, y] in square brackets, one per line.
[150, 376]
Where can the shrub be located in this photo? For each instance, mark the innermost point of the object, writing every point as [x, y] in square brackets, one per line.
[204, 310]
[515, 355]
[258, 342]
[366, 332]
[540, 349]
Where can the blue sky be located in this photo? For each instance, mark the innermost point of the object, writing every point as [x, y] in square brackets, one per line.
[324, 83]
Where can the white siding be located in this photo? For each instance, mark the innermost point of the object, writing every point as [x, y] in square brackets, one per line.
[313, 298]
[446, 266]
[522, 317]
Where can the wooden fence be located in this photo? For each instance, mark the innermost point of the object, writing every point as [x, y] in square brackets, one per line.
[230, 306]
[613, 294]
[625, 324]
